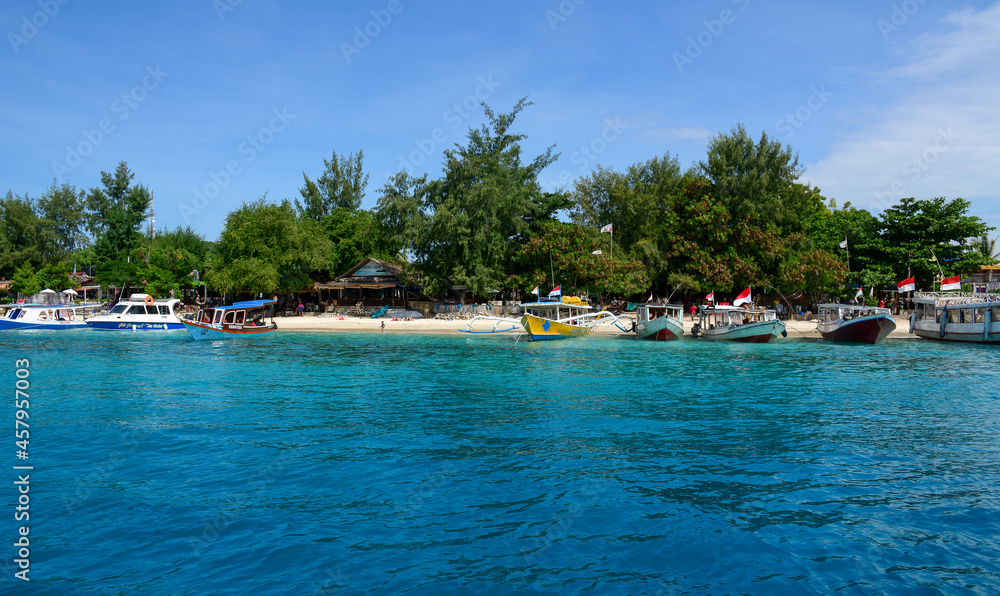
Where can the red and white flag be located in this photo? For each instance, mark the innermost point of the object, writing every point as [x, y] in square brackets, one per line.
[710, 297]
[861, 292]
[743, 298]
[952, 283]
[608, 228]
[556, 291]
[907, 285]
[650, 297]
[535, 291]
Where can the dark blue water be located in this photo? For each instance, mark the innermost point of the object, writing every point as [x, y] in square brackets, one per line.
[350, 464]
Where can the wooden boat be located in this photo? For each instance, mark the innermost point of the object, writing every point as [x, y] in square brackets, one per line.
[48, 316]
[141, 312]
[733, 323]
[562, 318]
[659, 322]
[854, 323]
[240, 319]
[956, 316]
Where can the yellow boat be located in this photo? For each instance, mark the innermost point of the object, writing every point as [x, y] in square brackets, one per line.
[559, 319]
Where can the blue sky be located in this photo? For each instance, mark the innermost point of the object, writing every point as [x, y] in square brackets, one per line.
[216, 103]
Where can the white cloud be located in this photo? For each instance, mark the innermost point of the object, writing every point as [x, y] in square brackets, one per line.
[938, 134]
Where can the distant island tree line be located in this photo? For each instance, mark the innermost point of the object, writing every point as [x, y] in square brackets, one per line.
[737, 218]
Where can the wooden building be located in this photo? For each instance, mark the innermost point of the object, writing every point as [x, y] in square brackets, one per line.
[372, 282]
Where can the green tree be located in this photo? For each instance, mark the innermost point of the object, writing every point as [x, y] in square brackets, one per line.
[20, 231]
[340, 186]
[356, 235]
[54, 277]
[631, 201]
[916, 231]
[115, 215]
[62, 221]
[755, 180]
[265, 247]
[570, 248]
[25, 281]
[463, 229]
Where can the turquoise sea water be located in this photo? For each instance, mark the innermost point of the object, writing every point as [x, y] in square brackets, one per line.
[349, 464]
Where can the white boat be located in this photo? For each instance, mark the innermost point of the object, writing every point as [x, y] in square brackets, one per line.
[854, 323]
[240, 319]
[48, 316]
[734, 323]
[141, 312]
[659, 322]
[956, 316]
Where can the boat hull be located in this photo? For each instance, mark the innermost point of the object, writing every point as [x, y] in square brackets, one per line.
[57, 325]
[539, 329]
[124, 325]
[200, 331]
[661, 329]
[754, 333]
[958, 332]
[868, 330]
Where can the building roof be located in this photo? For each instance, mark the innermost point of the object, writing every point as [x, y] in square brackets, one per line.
[369, 273]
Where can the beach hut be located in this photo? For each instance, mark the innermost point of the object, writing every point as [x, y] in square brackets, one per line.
[372, 282]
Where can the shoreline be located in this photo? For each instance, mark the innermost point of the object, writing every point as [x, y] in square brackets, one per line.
[334, 324]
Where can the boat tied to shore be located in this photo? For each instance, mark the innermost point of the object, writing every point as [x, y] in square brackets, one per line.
[956, 316]
[141, 312]
[854, 323]
[240, 319]
[659, 322]
[734, 323]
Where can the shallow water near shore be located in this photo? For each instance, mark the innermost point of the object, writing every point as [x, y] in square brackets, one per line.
[308, 463]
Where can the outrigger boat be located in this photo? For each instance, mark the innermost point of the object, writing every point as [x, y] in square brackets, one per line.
[553, 318]
[659, 322]
[956, 316]
[240, 319]
[854, 323]
[48, 316]
[732, 323]
[141, 312]
[562, 318]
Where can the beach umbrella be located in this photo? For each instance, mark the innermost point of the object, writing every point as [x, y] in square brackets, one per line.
[47, 291]
[71, 292]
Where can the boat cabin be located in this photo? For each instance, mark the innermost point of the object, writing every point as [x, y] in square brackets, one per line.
[566, 309]
[833, 312]
[958, 307]
[650, 312]
[713, 317]
[239, 314]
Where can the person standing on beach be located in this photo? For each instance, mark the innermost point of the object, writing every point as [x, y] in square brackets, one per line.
[383, 326]
[300, 308]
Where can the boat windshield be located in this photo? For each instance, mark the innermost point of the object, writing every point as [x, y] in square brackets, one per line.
[118, 309]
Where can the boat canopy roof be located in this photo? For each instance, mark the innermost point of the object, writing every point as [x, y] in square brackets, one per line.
[249, 304]
[141, 299]
[953, 298]
[731, 308]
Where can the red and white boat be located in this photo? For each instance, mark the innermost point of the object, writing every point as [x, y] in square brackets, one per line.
[854, 323]
[659, 322]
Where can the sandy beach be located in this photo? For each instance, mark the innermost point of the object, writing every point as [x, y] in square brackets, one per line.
[346, 324]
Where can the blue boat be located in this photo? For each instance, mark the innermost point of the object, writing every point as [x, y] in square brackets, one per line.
[47, 316]
[141, 312]
[240, 319]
